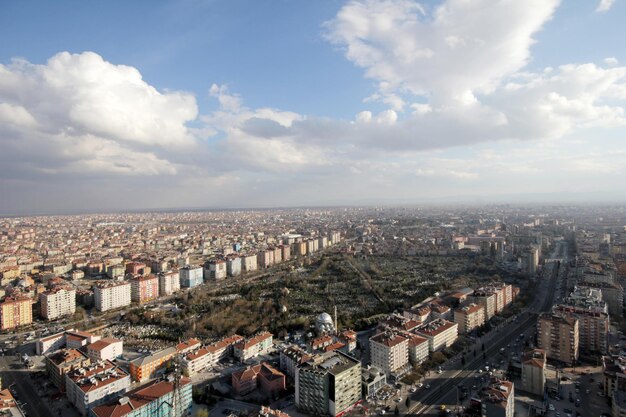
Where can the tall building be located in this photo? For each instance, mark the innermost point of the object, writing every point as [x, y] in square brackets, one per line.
[169, 283]
[440, 334]
[57, 302]
[61, 362]
[109, 295]
[15, 312]
[389, 352]
[328, 384]
[233, 266]
[534, 371]
[144, 288]
[190, 276]
[593, 327]
[558, 336]
[469, 317]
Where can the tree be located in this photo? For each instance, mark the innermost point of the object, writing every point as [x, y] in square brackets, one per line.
[463, 360]
[396, 411]
[407, 402]
[484, 355]
[482, 347]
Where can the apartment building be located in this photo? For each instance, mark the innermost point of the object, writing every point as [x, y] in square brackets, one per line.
[593, 327]
[291, 357]
[62, 361]
[57, 302]
[487, 299]
[49, 344]
[151, 399]
[440, 334]
[95, 384]
[106, 349]
[469, 317]
[149, 366]
[285, 252]
[265, 258]
[418, 348]
[389, 352]
[328, 384]
[498, 400]
[534, 371]
[144, 288]
[109, 295]
[614, 372]
[169, 283]
[233, 266]
[190, 276]
[249, 263]
[217, 269]
[15, 311]
[197, 360]
[251, 348]
[558, 336]
[612, 294]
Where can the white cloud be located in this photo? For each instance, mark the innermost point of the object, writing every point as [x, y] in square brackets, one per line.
[611, 61]
[604, 5]
[80, 113]
[457, 51]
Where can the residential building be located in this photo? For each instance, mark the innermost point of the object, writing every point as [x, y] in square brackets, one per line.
[106, 349]
[248, 263]
[389, 352]
[612, 294]
[109, 295]
[269, 380]
[498, 400]
[469, 317]
[197, 360]
[169, 283]
[15, 312]
[328, 384]
[57, 302]
[372, 380]
[62, 361]
[487, 299]
[188, 346]
[95, 384]
[291, 357]
[154, 399]
[534, 371]
[250, 348]
[144, 288]
[49, 344]
[593, 327]
[190, 276]
[440, 334]
[418, 348]
[614, 371]
[75, 339]
[233, 266]
[149, 366]
[558, 336]
[285, 252]
[217, 269]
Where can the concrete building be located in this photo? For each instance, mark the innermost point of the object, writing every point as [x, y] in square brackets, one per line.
[49, 344]
[612, 294]
[487, 299]
[418, 348]
[169, 283]
[263, 376]
[328, 384]
[469, 317]
[558, 336]
[62, 361]
[106, 349]
[233, 266]
[249, 263]
[372, 380]
[593, 327]
[109, 295]
[291, 357]
[440, 334]
[534, 371]
[15, 312]
[217, 269]
[389, 352]
[253, 347]
[144, 288]
[57, 302]
[190, 276]
[95, 384]
[265, 258]
[153, 399]
[149, 366]
[285, 252]
[198, 360]
[498, 400]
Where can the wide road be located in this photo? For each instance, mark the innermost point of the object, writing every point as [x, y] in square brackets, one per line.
[443, 389]
[18, 378]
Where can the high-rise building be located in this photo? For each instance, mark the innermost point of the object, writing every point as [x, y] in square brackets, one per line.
[469, 317]
[57, 302]
[593, 327]
[498, 400]
[389, 352]
[328, 384]
[144, 288]
[534, 371]
[15, 312]
[109, 295]
[557, 335]
[190, 276]
[440, 334]
[169, 283]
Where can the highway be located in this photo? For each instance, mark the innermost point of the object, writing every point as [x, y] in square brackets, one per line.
[443, 388]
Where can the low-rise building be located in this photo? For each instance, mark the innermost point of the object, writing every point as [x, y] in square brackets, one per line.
[106, 349]
[62, 361]
[263, 376]
[95, 384]
[149, 366]
[372, 380]
[251, 348]
[156, 398]
[291, 357]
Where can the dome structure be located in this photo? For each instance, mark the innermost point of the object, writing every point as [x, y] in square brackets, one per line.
[324, 324]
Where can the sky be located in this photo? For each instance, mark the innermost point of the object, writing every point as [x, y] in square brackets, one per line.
[176, 104]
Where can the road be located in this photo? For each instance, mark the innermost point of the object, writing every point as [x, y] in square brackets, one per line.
[14, 374]
[443, 386]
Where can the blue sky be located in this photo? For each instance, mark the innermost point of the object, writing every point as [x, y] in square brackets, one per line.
[278, 103]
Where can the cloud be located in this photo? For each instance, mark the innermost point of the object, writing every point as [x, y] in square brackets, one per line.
[78, 113]
[456, 51]
[604, 5]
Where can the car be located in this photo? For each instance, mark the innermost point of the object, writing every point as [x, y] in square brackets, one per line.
[439, 371]
[412, 389]
[551, 407]
[420, 385]
[587, 391]
[382, 412]
[567, 410]
[427, 386]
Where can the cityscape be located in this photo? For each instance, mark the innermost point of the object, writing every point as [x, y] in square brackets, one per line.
[335, 208]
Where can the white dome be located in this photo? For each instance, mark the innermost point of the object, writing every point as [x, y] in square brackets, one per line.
[324, 318]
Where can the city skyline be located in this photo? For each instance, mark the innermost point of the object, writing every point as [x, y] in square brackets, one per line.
[239, 104]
